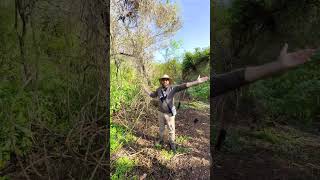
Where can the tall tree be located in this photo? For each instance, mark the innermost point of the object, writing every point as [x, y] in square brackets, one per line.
[139, 28]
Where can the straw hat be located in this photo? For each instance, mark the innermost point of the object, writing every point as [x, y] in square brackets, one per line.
[166, 77]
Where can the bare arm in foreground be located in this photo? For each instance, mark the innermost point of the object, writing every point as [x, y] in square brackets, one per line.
[234, 79]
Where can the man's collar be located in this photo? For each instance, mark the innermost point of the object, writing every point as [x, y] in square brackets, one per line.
[165, 89]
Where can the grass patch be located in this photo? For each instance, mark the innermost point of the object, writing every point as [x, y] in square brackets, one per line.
[158, 146]
[181, 150]
[167, 155]
[119, 136]
[182, 139]
[184, 106]
[275, 136]
[123, 166]
[267, 135]
[286, 143]
[198, 105]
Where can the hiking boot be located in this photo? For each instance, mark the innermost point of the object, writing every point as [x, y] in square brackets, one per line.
[172, 147]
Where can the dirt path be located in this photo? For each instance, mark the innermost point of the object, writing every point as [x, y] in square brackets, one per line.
[192, 136]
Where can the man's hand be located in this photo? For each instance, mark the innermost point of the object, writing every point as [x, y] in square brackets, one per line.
[289, 60]
[203, 79]
[148, 92]
[198, 81]
[144, 87]
[285, 61]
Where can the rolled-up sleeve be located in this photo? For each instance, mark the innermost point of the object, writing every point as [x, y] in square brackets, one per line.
[228, 81]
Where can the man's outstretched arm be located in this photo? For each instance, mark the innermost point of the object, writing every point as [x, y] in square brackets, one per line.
[232, 80]
[148, 92]
[198, 81]
[285, 62]
[189, 84]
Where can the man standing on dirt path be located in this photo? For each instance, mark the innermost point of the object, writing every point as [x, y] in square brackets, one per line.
[167, 110]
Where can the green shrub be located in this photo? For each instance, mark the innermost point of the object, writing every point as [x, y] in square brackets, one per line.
[167, 155]
[192, 60]
[172, 68]
[15, 130]
[123, 87]
[200, 92]
[182, 139]
[123, 166]
[268, 135]
[119, 136]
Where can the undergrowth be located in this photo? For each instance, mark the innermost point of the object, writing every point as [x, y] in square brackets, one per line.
[182, 139]
[123, 166]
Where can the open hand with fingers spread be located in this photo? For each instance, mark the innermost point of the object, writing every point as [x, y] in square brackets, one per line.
[203, 79]
[198, 81]
[289, 60]
[284, 62]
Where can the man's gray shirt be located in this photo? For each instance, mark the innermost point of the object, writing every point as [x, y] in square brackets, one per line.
[166, 98]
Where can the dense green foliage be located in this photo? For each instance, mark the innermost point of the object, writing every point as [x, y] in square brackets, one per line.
[197, 61]
[200, 92]
[171, 67]
[123, 86]
[194, 64]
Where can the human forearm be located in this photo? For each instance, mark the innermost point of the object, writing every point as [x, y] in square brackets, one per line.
[254, 73]
[192, 83]
[225, 82]
[240, 77]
